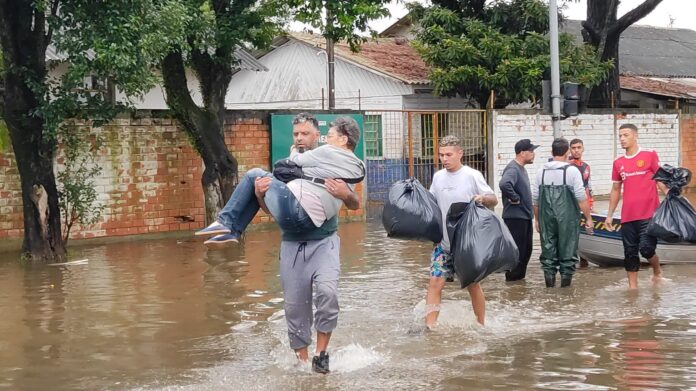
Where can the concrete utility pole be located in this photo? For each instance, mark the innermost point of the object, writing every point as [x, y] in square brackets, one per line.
[555, 70]
[330, 60]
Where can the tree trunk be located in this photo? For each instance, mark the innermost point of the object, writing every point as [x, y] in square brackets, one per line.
[204, 126]
[603, 30]
[24, 51]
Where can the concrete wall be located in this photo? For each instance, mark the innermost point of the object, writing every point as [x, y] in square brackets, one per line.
[598, 130]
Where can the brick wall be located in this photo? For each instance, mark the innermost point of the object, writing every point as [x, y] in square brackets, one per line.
[688, 146]
[151, 177]
[658, 131]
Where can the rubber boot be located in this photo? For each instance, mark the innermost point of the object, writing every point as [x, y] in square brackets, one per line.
[566, 280]
[550, 280]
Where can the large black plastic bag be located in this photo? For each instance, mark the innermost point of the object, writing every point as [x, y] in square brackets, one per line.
[411, 212]
[480, 242]
[675, 178]
[675, 218]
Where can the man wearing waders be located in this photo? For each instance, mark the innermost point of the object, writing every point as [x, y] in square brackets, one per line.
[558, 199]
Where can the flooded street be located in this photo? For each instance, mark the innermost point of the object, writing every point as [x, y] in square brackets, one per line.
[172, 315]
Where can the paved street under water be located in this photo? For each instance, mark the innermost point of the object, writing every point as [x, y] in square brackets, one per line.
[170, 314]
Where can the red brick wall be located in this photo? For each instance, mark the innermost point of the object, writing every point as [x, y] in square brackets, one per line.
[688, 145]
[151, 178]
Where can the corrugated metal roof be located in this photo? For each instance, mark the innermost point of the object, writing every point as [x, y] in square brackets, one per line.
[394, 57]
[297, 73]
[246, 60]
[674, 88]
[651, 51]
[52, 54]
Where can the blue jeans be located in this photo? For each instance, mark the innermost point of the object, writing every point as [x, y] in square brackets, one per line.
[284, 207]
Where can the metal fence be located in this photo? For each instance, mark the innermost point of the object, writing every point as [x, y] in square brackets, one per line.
[400, 144]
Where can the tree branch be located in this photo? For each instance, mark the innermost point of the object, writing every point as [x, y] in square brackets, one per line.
[591, 31]
[633, 16]
[53, 14]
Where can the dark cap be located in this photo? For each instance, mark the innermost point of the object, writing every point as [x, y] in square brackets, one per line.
[524, 145]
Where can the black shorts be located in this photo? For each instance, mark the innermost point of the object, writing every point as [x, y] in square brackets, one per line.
[637, 241]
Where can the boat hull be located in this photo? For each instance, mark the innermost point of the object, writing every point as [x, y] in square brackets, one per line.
[605, 248]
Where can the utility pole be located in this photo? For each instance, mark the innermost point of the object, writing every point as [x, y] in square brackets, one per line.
[555, 70]
[330, 60]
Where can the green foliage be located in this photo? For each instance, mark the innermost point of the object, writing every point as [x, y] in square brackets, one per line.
[500, 46]
[4, 137]
[76, 192]
[345, 18]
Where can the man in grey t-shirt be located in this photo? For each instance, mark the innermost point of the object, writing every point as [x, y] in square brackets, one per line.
[517, 205]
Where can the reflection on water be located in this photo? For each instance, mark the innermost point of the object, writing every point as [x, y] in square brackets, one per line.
[169, 314]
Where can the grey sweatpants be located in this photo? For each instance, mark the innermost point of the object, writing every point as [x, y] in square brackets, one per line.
[305, 266]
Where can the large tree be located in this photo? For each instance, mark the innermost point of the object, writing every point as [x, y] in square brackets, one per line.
[203, 35]
[474, 46]
[228, 26]
[602, 29]
[34, 106]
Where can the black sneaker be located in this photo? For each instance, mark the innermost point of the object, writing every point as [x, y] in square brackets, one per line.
[320, 363]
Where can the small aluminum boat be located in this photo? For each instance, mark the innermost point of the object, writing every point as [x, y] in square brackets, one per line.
[605, 248]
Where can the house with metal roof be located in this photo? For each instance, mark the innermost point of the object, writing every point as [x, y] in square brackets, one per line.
[387, 73]
[153, 99]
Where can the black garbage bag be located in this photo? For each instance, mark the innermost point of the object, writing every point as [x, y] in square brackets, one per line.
[675, 218]
[675, 178]
[480, 242]
[411, 212]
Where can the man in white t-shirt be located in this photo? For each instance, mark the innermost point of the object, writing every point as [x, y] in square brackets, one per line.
[454, 183]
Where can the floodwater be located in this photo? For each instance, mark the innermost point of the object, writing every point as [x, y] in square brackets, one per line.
[172, 315]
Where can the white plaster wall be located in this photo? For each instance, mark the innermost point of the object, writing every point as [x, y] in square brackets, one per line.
[659, 132]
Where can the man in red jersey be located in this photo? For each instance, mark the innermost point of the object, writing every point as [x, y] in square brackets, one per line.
[634, 171]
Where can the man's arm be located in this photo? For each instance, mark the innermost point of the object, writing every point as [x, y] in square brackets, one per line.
[507, 186]
[536, 217]
[261, 186]
[613, 202]
[488, 200]
[340, 190]
[585, 208]
[663, 188]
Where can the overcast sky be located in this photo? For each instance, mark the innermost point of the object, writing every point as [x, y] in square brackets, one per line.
[682, 12]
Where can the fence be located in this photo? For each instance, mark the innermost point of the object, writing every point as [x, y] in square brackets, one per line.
[400, 144]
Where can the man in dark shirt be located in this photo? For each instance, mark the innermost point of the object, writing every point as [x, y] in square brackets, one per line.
[517, 205]
[577, 148]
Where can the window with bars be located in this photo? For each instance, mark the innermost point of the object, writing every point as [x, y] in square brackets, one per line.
[372, 136]
[428, 131]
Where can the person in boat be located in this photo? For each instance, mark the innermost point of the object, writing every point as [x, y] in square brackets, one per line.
[559, 196]
[517, 205]
[633, 173]
[577, 149]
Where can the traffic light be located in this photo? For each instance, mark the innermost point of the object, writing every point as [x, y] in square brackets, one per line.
[572, 99]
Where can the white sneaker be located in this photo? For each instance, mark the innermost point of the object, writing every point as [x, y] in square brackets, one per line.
[216, 228]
